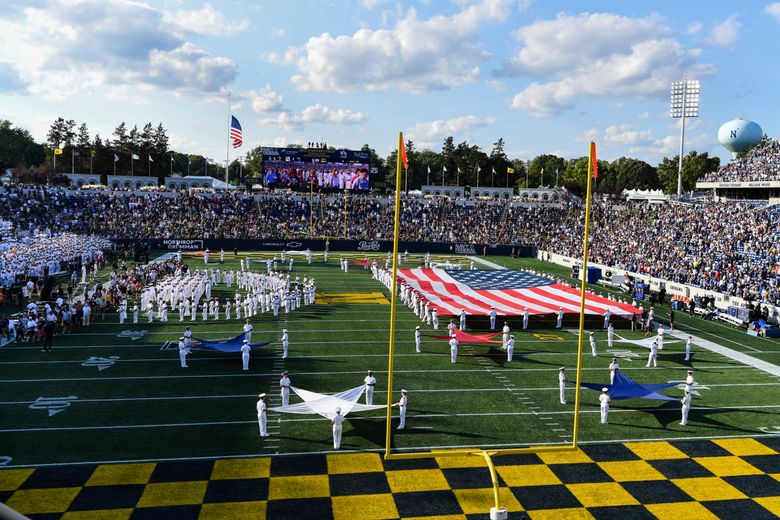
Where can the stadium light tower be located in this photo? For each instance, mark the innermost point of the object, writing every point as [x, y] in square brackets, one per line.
[684, 103]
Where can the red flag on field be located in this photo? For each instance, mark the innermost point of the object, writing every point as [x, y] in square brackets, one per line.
[594, 161]
[402, 152]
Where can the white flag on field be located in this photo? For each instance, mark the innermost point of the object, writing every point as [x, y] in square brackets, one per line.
[150, 159]
[116, 158]
[135, 157]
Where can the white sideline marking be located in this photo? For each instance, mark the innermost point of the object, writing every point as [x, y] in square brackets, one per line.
[380, 450]
[730, 353]
[267, 374]
[487, 263]
[595, 410]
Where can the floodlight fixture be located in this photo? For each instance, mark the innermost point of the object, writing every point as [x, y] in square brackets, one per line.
[684, 103]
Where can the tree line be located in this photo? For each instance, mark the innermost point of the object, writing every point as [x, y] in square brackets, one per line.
[463, 163]
[82, 152]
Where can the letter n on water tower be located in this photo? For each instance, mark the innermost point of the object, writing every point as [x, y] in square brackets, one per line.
[733, 134]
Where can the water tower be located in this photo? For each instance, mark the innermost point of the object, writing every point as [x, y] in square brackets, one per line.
[739, 135]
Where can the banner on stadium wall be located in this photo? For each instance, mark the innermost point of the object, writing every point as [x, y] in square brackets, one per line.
[367, 246]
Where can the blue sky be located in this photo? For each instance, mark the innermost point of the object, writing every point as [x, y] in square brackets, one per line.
[545, 76]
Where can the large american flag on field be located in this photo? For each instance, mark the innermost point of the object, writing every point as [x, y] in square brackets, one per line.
[510, 292]
[235, 132]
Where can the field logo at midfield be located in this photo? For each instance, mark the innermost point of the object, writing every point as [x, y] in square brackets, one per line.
[132, 334]
[53, 405]
[628, 355]
[366, 245]
[101, 363]
[774, 430]
[358, 298]
[695, 390]
[5, 460]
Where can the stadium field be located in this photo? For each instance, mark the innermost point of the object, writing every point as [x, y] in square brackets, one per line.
[112, 393]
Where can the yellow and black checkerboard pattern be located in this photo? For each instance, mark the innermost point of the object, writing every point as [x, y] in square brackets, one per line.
[728, 478]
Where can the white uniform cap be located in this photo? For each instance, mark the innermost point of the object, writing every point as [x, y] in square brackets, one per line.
[562, 368]
[417, 327]
[338, 410]
[403, 391]
[246, 341]
[284, 330]
[261, 395]
[181, 337]
[605, 389]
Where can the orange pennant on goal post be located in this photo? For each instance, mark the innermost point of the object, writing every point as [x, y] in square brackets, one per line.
[594, 162]
[402, 152]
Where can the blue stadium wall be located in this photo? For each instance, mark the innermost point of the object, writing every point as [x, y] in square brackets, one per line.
[163, 244]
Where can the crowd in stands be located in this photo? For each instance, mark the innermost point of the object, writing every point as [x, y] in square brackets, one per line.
[762, 163]
[43, 253]
[725, 247]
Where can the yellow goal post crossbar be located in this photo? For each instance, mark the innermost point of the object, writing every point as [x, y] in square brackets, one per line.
[486, 453]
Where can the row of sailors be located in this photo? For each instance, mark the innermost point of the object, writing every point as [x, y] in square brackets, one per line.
[249, 305]
[183, 292]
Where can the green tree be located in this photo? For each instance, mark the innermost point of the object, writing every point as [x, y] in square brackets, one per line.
[517, 179]
[448, 161]
[695, 165]
[17, 147]
[544, 169]
[378, 176]
[633, 174]
[253, 165]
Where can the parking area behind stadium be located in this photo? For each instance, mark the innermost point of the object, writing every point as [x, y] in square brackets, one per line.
[112, 394]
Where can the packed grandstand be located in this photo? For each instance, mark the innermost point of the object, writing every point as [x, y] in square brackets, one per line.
[725, 247]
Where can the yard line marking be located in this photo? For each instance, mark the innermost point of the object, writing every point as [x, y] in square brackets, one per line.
[731, 354]
[381, 418]
[486, 262]
[377, 450]
[426, 371]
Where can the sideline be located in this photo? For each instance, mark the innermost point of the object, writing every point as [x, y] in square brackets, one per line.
[729, 353]
[487, 263]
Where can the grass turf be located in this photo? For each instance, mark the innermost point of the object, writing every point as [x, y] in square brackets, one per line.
[145, 407]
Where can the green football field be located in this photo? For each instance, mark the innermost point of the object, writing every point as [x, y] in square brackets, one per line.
[112, 393]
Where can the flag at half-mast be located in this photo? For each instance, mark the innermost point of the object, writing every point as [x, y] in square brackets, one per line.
[235, 132]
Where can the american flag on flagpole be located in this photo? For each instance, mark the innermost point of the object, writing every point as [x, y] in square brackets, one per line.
[235, 132]
[510, 292]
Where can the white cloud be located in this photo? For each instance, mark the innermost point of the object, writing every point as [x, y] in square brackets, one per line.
[62, 47]
[415, 55]
[725, 33]
[496, 85]
[597, 54]
[371, 4]
[694, 28]
[434, 131]
[773, 10]
[627, 136]
[587, 135]
[265, 100]
[320, 114]
[206, 21]
[644, 115]
[10, 81]
[315, 114]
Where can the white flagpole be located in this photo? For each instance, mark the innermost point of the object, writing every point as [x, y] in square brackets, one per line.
[227, 155]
